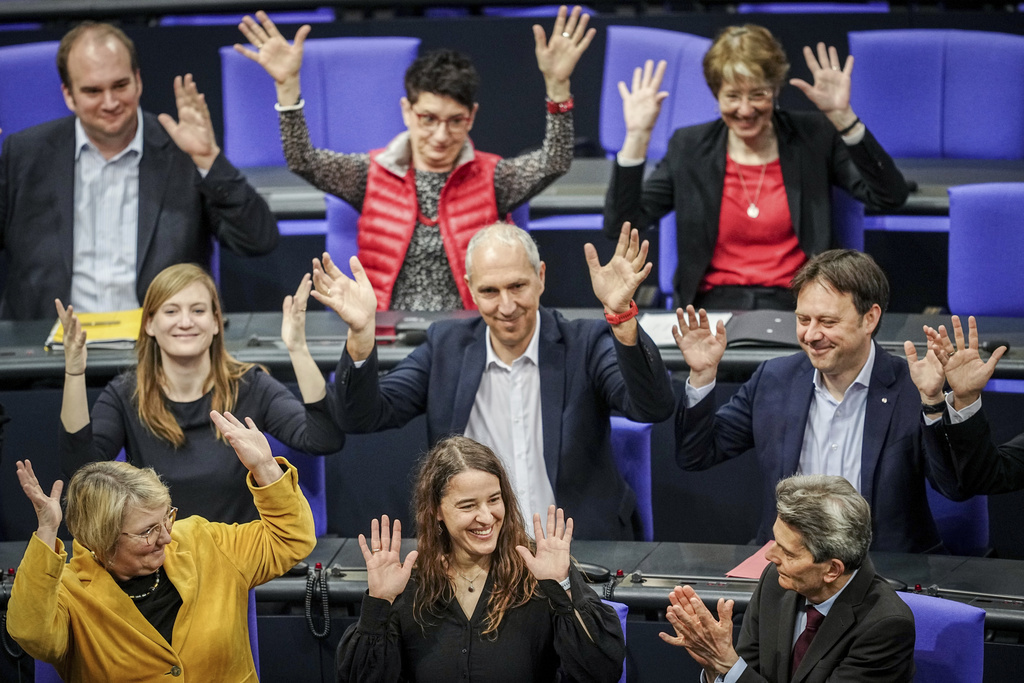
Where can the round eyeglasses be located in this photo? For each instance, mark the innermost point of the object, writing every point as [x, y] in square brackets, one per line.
[147, 536]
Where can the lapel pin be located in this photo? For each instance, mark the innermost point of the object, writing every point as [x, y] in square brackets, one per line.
[885, 400]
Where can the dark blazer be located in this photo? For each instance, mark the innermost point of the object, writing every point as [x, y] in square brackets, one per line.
[981, 467]
[769, 415]
[179, 212]
[585, 374]
[691, 177]
[868, 634]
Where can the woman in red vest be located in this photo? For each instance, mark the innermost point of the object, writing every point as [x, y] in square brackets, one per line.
[423, 196]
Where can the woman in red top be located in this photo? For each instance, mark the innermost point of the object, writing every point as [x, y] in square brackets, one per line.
[752, 190]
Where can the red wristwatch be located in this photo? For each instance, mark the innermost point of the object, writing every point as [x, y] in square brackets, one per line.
[560, 107]
[618, 318]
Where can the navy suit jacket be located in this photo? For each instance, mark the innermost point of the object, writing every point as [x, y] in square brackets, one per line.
[769, 415]
[981, 466]
[867, 635]
[584, 375]
[179, 212]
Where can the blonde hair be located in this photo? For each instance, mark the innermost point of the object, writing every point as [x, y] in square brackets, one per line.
[225, 371]
[512, 583]
[99, 498]
[745, 53]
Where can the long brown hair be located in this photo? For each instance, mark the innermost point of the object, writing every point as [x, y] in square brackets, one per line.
[225, 371]
[512, 583]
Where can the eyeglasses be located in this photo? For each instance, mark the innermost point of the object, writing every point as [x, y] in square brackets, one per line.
[147, 536]
[759, 96]
[456, 124]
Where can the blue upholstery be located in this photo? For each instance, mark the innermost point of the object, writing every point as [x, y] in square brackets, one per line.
[689, 101]
[950, 639]
[336, 74]
[631, 447]
[811, 7]
[986, 249]
[312, 480]
[30, 90]
[320, 15]
[622, 611]
[963, 526]
[342, 232]
[538, 11]
[941, 93]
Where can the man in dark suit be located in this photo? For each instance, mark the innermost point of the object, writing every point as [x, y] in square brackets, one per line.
[93, 206]
[536, 388]
[819, 612]
[845, 406]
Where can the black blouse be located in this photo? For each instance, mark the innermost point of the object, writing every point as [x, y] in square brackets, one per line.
[539, 641]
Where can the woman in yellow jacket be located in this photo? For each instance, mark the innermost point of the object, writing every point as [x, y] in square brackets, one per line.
[143, 597]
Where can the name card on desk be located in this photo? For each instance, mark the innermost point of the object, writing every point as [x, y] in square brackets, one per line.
[753, 566]
[659, 326]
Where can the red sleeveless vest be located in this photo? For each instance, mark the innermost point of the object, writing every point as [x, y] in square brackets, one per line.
[388, 219]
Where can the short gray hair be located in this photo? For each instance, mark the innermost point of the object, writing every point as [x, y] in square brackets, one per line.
[505, 233]
[834, 520]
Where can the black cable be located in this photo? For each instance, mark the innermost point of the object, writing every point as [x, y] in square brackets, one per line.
[317, 578]
[10, 647]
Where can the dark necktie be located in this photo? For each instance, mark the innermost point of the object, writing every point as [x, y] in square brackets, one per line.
[814, 619]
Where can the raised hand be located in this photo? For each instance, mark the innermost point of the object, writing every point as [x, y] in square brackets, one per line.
[352, 298]
[74, 340]
[615, 282]
[551, 560]
[641, 104]
[926, 371]
[966, 373]
[702, 349]
[193, 131]
[558, 56]
[386, 574]
[281, 59]
[831, 90]
[47, 507]
[251, 446]
[293, 320]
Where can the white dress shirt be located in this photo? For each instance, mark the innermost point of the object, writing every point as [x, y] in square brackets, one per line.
[506, 417]
[106, 225]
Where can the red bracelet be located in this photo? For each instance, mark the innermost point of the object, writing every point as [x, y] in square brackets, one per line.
[560, 107]
[618, 318]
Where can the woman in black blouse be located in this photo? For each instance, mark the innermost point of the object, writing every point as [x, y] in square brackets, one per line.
[486, 603]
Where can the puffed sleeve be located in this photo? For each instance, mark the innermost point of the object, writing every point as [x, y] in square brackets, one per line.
[370, 651]
[590, 646]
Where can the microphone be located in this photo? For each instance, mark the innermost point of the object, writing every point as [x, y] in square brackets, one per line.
[991, 345]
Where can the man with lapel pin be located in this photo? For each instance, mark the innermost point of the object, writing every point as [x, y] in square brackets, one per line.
[536, 388]
[93, 206]
[819, 613]
[844, 406]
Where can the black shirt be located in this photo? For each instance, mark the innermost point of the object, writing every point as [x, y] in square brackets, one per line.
[534, 642]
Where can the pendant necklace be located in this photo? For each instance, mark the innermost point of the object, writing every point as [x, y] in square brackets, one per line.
[752, 209]
[155, 585]
[471, 588]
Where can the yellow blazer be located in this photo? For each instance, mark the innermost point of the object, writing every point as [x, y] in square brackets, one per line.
[78, 619]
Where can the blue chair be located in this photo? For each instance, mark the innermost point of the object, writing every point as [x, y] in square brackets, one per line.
[342, 240]
[919, 91]
[312, 480]
[336, 73]
[538, 11]
[631, 447]
[812, 7]
[950, 645]
[320, 15]
[622, 611]
[30, 91]
[963, 526]
[986, 249]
